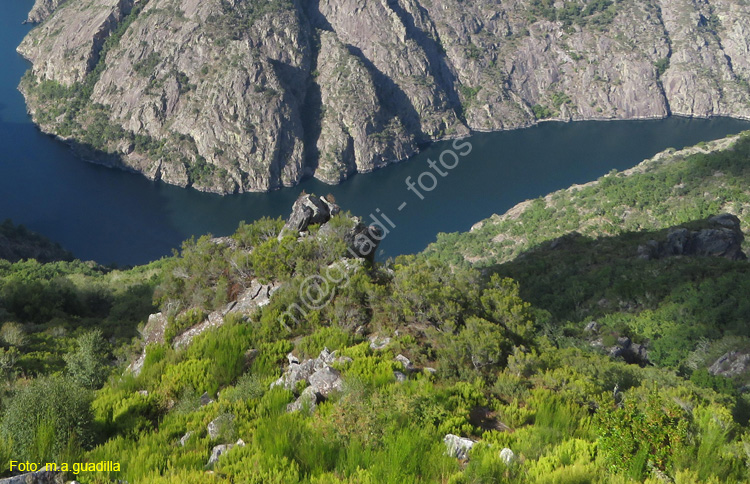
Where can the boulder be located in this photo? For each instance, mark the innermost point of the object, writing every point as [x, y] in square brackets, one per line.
[377, 343]
[296, 372]
[632, 353]
[307, 399]
[722, 238]
[217, 452]
[400, 377]
[254, 297]
[406, 362]
[206, 399]
[326, 381]
[458, 447]
[307, 210]
[507, 456]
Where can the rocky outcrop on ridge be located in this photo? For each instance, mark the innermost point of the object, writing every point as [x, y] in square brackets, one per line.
[236, 96]
[42, 9]
[722, 239]
[360, 243]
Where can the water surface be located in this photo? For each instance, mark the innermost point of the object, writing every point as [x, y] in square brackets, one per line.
[116, 217]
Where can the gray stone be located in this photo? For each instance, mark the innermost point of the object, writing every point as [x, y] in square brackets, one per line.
[507, 456]
[296, 373]
[730, 364]
[217, 452]
[458, 447]
[723, 239]
[326, 381]
[307, 399]
[405, 362]
[400, 377]
[377, 343]
[206, 399]
[39, 477]
[185, 438]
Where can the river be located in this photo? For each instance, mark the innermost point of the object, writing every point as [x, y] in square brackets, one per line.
[114, 217]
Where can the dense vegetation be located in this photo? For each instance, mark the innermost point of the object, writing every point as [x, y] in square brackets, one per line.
[514, 367]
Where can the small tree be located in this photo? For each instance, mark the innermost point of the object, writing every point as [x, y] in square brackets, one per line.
[87, 365]
[13, 334]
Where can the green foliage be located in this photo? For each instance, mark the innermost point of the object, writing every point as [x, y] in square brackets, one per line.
[177, 325]
[631, 435]
[48, 421]
[87, 365]
[661, 66]
[542, 112]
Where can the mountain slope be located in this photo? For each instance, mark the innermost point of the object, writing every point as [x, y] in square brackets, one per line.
[282, 354]
[245, 96]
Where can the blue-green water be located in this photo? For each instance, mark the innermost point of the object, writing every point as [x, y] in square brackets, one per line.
[116, 217]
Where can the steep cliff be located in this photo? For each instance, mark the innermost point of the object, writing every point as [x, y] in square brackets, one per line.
[43, 9]
[240, 95]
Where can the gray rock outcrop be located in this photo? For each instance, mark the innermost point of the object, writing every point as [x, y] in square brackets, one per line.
[317, 374]
[458, 447]
[723, 238]
[39, 477]
[361, 240]
[730, 364]
[42, 9]
[632, 353]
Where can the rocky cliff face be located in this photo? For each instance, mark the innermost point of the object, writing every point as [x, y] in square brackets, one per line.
[240, 95]
[43, 9]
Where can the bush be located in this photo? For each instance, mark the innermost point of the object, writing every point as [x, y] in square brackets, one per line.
[13, 334]
[48, 420]
[87, 366]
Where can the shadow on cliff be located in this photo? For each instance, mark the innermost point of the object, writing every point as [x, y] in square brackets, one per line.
[437, 61]
[389, 94]
[576, 277]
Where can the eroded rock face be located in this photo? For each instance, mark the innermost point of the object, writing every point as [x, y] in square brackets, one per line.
[731, 364]
[42, 9]
[230, 97]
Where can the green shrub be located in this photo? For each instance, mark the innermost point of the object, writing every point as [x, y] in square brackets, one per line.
[48, 420]
[87, 365]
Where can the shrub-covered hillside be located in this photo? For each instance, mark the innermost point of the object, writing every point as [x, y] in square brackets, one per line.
[282, 354]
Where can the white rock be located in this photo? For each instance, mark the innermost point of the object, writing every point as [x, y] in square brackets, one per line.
[458, 447]
[507, 456]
